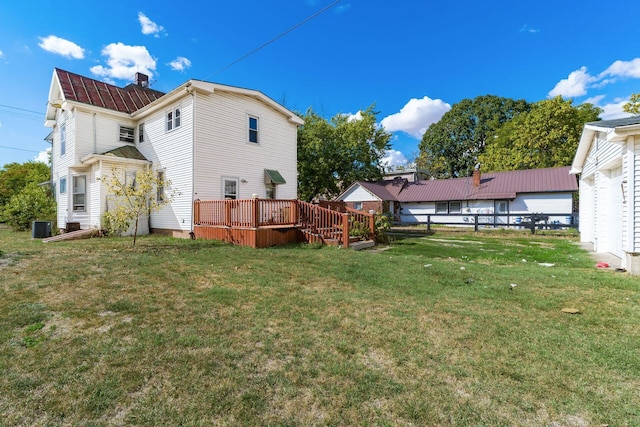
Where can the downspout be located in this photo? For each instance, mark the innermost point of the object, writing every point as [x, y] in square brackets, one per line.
[630, 194]
[189, 90]
[95, 138]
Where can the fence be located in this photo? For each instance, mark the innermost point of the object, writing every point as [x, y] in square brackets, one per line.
[497, 220]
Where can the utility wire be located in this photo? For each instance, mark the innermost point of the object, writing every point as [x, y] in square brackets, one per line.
[19, 149]
[22, 109]
[299, 24]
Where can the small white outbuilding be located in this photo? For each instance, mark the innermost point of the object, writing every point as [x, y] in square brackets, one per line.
[608, 163]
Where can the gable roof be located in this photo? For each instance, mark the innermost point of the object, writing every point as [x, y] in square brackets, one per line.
[493, 185]
[615, 131]
[133, 98]
[100, 94]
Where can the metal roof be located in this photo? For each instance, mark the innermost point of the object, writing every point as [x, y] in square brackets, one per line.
[493, 185]
[100, 94]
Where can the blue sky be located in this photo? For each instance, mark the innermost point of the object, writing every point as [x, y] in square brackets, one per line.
[412, 59]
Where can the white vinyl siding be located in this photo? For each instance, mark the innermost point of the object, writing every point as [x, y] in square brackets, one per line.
[172, 154]
[221, 132]
[358, 193]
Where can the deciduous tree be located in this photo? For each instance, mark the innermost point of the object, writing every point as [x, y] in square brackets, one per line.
[546, 136]
[134, 198]
[332, 155]
[451, 146]
[633, 106]
[16, 176]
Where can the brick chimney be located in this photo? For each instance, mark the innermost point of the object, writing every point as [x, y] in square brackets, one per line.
[476, 177]
[142, 80]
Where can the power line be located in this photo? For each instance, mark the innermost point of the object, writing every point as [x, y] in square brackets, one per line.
[22, 109]
[19, 149]
[299, 24]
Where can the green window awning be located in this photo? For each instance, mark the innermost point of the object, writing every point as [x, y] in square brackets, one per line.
[272, 176]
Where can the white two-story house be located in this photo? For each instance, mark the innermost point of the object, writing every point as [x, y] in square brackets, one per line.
[211, 141]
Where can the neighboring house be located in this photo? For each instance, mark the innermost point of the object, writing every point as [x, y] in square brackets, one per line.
[608, 162]
[410, 173]
[209, 140]
[508, 195]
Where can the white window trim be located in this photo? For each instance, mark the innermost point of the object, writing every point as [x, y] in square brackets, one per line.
[73, 193]
[176, 118]
[249, 129]
[63, 139]
[446, 207]
[61, 180]
[141, 133]
[224, 182]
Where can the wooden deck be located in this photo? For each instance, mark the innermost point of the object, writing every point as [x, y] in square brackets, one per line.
[262, 223]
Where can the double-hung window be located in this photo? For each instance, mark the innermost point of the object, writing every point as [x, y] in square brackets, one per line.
[173, 119]
[140, 133]
[79, 193]
[230, 186]
[253, 129]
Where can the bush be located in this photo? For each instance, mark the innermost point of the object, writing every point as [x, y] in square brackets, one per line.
[31, 204]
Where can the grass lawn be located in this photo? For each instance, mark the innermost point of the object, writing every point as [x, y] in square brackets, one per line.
[428, 332]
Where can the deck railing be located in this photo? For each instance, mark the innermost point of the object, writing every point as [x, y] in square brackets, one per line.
[317, 221]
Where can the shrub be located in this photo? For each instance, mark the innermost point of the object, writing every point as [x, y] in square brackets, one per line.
[31, 204]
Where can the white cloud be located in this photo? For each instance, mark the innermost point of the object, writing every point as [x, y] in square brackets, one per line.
[62, 47]
[394, 158]
[124, 61]
[623, 69]
[1, 54]
[416, 116]
[614, 110]
[43, 156]
[180, 64]
[574, 85]
[528, 29]
[148, 26]
[354, 117]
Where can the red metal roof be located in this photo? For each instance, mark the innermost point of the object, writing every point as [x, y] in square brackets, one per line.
[100, 94]
[493, 185]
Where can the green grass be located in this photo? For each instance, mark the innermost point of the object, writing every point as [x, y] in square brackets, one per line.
[429, 332]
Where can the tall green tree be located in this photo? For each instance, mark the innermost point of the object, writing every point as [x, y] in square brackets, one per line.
[14, 177]
[546, 136]
[333, 154]
[451, 146]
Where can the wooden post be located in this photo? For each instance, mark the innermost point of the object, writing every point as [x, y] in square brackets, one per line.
[372, 224]
[196, 212]
[476, 217]
[293, 218]
[345, 230]
[428, 222]
[227, 212]
[255, 212]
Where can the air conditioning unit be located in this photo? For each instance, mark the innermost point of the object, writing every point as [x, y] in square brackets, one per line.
[41, 229]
